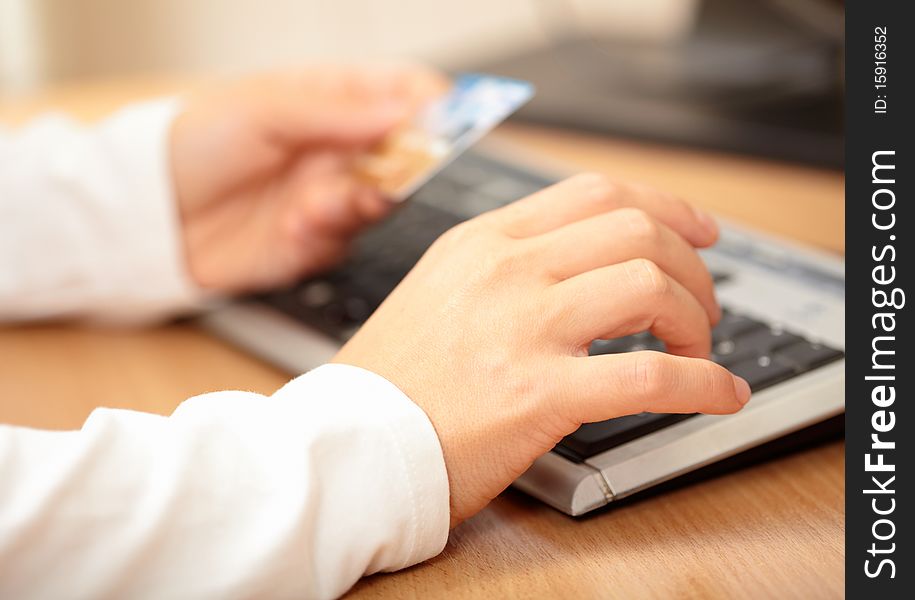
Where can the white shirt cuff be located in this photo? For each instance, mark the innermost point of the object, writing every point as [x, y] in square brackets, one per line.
[416, 489]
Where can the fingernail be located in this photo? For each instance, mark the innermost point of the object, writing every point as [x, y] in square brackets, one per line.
[706, 220]
[742, 389]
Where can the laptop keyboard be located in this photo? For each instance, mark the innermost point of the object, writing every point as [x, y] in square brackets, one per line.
[338, 302]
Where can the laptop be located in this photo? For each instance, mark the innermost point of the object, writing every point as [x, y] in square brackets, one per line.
[783, 330]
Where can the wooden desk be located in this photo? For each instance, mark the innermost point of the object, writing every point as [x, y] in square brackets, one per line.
[774, 530]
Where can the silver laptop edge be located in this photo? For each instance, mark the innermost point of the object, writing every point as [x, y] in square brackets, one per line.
[770, 279]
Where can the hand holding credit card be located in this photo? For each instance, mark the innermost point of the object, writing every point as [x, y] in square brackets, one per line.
[414, 153]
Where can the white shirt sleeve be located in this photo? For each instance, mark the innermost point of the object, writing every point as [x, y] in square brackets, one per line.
[89, 222]
[235, 495]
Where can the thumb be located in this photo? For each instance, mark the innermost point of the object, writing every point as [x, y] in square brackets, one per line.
[344, 125]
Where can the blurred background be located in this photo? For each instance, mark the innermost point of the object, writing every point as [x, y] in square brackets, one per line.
[755, 76]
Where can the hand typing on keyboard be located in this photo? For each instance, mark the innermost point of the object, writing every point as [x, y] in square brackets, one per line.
[490, 332]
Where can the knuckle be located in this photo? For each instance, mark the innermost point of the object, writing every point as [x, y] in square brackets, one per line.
[496, 216]
[599, 188]
[641, 225]
[649, 278]
[650, 374]
[529, 255]
[502, 261]
[459, 235]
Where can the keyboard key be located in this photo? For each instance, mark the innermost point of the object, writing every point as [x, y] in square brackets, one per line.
[720, 276]
[335, 314]
[630, 343]
[762, 371]
[805, 355]
[591, 438]
[317, 294]
[752, 343]
[615, 346]
[733, 325]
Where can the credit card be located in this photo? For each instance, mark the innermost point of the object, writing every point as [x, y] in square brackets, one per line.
[414, 153]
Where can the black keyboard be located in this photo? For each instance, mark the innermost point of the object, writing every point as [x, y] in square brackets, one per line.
[338, 302]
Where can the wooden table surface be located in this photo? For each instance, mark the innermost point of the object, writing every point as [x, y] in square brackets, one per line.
[774, 530]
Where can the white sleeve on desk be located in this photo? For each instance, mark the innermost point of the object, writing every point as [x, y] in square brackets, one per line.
[88, 221]
[236, 495]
